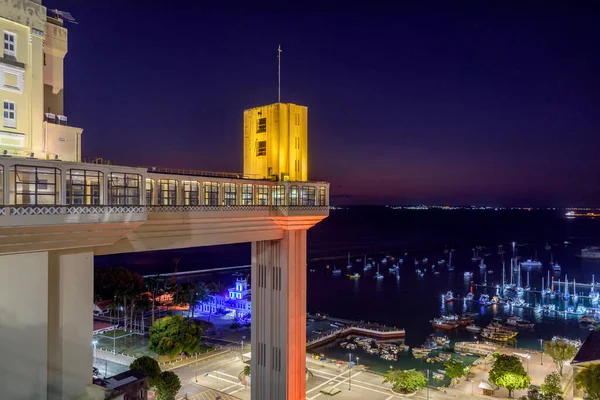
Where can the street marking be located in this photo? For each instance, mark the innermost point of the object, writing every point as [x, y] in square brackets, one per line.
[326, 382]
[218, 377]
[238, 390]
[363, 382]
[229, 387]
[358, 385]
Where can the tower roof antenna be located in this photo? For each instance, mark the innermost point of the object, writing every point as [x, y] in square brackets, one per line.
[64, 15]
[279, 73]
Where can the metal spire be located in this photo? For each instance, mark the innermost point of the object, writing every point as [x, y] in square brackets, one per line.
[279, 74]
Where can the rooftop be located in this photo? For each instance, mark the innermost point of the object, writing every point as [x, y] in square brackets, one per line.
[590, 349]
[115, 382]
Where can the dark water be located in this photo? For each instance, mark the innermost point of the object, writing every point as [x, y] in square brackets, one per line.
[409, 301]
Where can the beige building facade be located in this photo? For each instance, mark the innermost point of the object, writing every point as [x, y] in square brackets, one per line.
[34, 124]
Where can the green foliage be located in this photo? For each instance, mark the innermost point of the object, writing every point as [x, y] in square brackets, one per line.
[406, 381]
[174, 335]
[247, 370]
[167, 386]
[508, 372]
[454, 368]
[589, 380]
[561, 351]
[552, 385]
[148, 366]
[111, 282]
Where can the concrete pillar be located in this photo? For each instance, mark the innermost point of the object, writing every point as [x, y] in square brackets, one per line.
[279, 317]
[23, 325]
[70, 322]
[46, 324]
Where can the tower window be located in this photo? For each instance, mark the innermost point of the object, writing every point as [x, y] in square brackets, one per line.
[10, 44]
[261, 150]
[10, 114]
[262, 125]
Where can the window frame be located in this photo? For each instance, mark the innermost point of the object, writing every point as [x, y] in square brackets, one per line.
[278, 195]
[322, 196]
[260, 195]
[191, 197]
[211, 197]
[9, 122]
[127, 177]
[149, 192]
[94, 199]
[247, 200]
[17, 182]
[294, 195]
[228, 199]
[261, 150]
[167, 195]
[261, 125]
[305, 195]
[8, 52]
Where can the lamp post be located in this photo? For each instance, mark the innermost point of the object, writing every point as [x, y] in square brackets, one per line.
[242, 353]
[528, 357]
[349, 373]
[357, 362]
[472, 382]
[541, 351]
[427, 384]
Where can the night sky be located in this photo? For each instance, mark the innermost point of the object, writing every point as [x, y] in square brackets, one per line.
[407, 105]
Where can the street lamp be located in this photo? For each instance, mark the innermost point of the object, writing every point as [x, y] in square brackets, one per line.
[472, 382]
[528, 357]
[349, 373]
[356, 361]
[428, 384]
[541, 351]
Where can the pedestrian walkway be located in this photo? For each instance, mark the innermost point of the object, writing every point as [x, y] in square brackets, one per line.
[211, 394]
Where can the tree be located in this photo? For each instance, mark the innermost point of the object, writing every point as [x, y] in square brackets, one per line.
[148, 366]
[508, 372]
[247, 370]
[455, 368]
[589, 380]
[561, 351]
[406, 381]
[552, 385]
[175, 335]
[167, 386]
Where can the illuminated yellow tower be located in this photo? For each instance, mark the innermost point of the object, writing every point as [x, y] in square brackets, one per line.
[276, 142]
[33, 122]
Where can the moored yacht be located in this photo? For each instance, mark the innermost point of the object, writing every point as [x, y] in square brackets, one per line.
[473, 328]
[448, 297]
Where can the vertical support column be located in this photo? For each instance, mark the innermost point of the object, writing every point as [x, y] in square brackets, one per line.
[70, 323]
[23, 325]
[279, 317]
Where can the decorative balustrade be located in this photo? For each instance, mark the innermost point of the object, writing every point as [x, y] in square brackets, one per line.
[116, 209]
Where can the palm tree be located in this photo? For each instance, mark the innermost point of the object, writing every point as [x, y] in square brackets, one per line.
[143, 305]
[152, 284]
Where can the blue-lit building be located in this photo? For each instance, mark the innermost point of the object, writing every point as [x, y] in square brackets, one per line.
[236, 302]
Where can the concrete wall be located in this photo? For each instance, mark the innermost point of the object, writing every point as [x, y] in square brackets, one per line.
[23, 325]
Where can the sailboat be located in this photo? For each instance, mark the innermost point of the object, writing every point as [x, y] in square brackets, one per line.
[336, 271]
[349, 263]
[450, 266]
[482, 265]
[475, 256]
[378, 275]
[555, 266]
[366, 265]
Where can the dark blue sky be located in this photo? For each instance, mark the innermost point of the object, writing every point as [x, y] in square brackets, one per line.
[407, 104]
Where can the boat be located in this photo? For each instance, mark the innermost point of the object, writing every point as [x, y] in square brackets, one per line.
[469, 297]
[378, 275]
[475, 256]
[448, 297]
[519, 322]
[547, 246]
[482, 265]
[484, 299]
[384, 260]
[394, 268]
[336, 271]
[556, 267]
[441, 323]
[474, 328]
[592, 252]
[356, 275]
[529, 263]
[587, 319]
[468, 274]
[367, 265]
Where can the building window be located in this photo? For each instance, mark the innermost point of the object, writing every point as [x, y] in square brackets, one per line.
[262, 195]
[230, 193]
[261, 150]
[294, 195]
[124, 189]
[149, 192]
[211, 193]
[84, 187]
[278, 193]
[247, 194]
[322, 196]
[190, 193]
[10, 114]
[167, 192]
[10, 44]
[262, 125]
[35, 185]
[308, 195]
